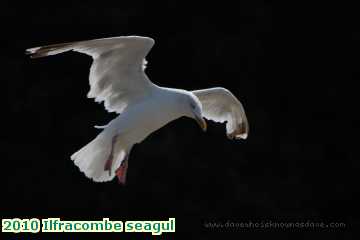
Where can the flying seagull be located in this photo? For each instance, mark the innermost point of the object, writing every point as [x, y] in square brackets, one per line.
[117, 78]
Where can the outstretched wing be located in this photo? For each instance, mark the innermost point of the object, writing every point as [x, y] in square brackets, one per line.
[220, 105]
[117, 73]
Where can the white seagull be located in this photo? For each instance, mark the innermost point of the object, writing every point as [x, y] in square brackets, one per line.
[117, 78]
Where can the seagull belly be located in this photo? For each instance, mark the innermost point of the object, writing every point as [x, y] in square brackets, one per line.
[139, 121]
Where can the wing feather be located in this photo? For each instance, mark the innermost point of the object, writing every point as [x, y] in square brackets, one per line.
[117, 75]
[220, 105]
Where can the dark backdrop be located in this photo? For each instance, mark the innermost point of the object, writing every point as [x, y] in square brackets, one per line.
[282, 62]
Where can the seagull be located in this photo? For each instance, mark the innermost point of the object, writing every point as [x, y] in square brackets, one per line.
[117, 78]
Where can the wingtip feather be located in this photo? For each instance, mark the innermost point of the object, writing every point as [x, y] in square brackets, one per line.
[241, 132]
[34, 52]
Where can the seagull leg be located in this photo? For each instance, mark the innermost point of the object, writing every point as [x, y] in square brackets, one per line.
[109, 161]
[122, 170]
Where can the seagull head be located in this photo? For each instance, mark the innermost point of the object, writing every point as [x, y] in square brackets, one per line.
[193, 109]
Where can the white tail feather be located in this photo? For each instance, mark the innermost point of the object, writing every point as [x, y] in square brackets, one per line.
[91, 158]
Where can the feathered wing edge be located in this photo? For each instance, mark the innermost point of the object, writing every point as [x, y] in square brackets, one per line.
[94, 47]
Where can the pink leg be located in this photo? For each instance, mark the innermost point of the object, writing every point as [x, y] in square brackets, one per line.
[122, 171]
[109, 161]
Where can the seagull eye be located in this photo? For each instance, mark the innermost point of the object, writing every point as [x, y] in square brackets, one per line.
[192, 105]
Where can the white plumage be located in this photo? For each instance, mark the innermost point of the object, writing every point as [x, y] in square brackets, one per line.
[117, 78]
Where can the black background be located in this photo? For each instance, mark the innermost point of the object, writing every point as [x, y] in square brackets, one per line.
[284, 63]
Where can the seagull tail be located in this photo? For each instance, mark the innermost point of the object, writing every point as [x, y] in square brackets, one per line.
[92, 158]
